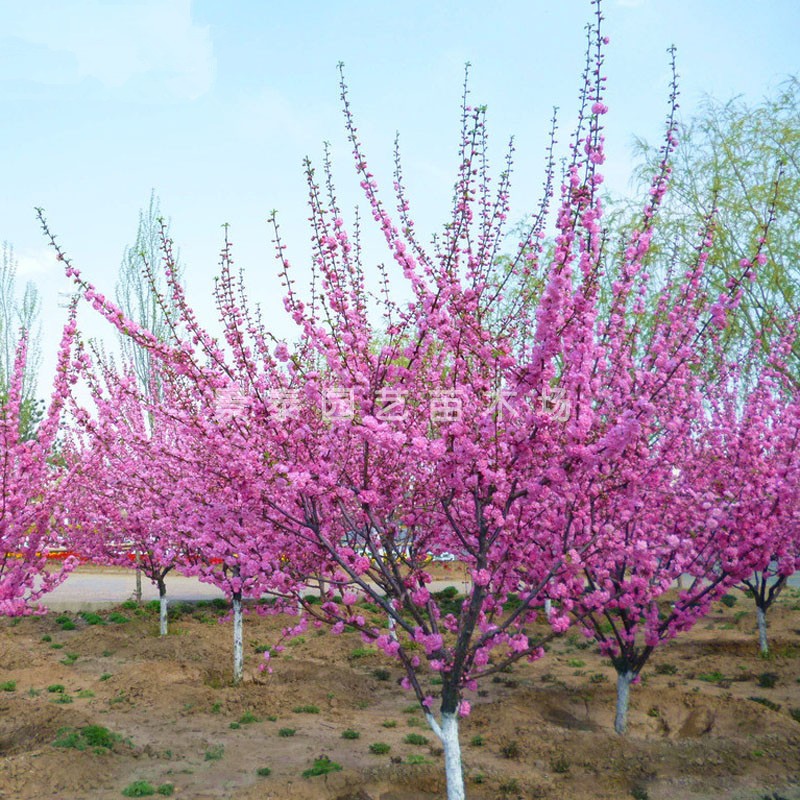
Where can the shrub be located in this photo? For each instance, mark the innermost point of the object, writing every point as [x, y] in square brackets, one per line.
[379, 748]
[166, 789]
[309, 709]
[91, 618]
[56, 687]
[382, 674]
[350, 734]
[767, 680]
[728, 600]
[285, 732]
[119, 619]
[322, 766]
[560, 765]
[235, 726]
[510, 750]
[139, 789]
[263, 772]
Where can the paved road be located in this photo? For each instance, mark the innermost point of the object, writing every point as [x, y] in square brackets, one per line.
[83, 591]
[97, 589]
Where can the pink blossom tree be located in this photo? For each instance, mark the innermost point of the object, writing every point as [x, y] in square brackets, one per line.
[753, 473]
[448, 422]
[31, 481]
[119, 503]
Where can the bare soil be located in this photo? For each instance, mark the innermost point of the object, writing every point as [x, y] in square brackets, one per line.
[542, 730]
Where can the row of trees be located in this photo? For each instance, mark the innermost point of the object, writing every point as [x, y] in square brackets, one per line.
[569, 421]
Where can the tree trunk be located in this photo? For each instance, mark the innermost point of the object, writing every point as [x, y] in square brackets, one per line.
[763, 643]
[162, 609]
[548, 608]
[624, 680]
[137, 593]
[448, 735]
[238, 658]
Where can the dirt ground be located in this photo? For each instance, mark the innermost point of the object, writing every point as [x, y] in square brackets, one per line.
[711, 719]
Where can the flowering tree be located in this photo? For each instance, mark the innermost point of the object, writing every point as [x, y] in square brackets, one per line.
[120, 507]
[753, 472]
[376, 443]
[30, 482]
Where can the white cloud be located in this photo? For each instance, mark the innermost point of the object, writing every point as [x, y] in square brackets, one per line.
[118, 42]
[32, 263]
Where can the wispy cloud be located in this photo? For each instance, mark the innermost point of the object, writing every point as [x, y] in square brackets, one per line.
[114, 43]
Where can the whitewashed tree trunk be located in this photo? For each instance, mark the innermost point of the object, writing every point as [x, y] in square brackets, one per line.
[238, 655]
[162, 610]
[548, 607]
[392, 629]
[448, 735]
[763, 643]
[624, 680]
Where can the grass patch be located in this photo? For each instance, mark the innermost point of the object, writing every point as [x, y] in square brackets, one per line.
[765, 702]
[56, 688]
[97, 737]
[379, 748]
[477, 741]
[215, 753]
[117, 618]
[90, 618]
[350, 734]
[389, 723]
[415, 758]
[321, 766]
[248, 718]
[8, 686]
[166, 789]
[69, 659]
[416, 738]
[286, 732]
[309, 709]
[263, 772]
[711, 677]
[139, 789]
[105, 676]
[666, 669]
[362, 652]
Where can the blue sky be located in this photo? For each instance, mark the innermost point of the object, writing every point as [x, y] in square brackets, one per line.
[215, 104]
